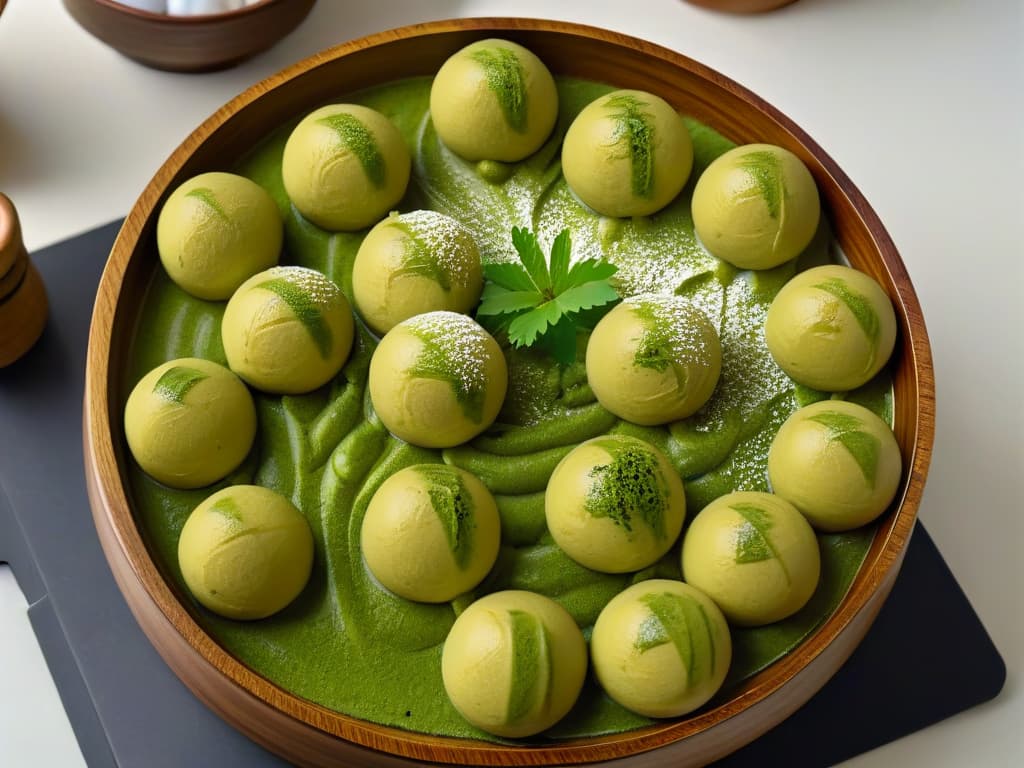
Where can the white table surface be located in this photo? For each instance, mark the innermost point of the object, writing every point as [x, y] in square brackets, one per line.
[921, 102]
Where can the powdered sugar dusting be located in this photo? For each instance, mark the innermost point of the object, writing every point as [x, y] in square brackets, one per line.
[318, 289]
[455, 350]
[441, 240]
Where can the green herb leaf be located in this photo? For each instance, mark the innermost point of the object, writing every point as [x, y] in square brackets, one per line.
[561, 250]
[585, 296]
[543, 303]
[532, 257]
[524, 330]
[510, 276]
[590, 270]
[501, 302]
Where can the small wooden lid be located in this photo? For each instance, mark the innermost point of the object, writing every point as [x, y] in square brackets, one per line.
[23, 303]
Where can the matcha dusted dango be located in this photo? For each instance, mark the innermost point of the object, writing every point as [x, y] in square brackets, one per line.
[189, 422]
[345, 166]
[627, 154]
[615, 504]
[514, 663]
[756, 206]
[413, 263]
[493, 100]
[831, 328]
[215, 231]
[438, 379]
[287, 330]
[654, 359]
[661, 648]
[837, 462]
[431, 532]
[755, 555]
[245, 552]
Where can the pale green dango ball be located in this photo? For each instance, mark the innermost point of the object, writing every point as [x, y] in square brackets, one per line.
[189, 422]
[654, 359]
[837, 462]
[287, 330]
[413, 263]
[514, 663]
[345, 166]
[756, 206]
[438, 379]
[493, 100]
[431, 532]
[215, 231]
[246, 552]
[831, 328]
[755, 555]
[628, 153]
[661, 648]
[615, 504]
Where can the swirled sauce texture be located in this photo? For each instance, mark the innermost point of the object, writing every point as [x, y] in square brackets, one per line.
[347, 644]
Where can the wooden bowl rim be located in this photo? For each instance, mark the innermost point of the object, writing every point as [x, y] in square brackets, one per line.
[175, 20]
[111, 507]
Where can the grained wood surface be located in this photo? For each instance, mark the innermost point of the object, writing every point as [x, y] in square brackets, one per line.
[311, 735]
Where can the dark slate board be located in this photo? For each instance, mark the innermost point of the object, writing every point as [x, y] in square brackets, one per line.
[127, 708]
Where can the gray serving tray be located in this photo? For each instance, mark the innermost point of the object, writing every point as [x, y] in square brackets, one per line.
[128, 709]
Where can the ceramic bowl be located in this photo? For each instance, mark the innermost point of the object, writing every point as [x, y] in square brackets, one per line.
[189, 43]
[309, 734]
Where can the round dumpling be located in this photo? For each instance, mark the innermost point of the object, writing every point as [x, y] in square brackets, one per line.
[755, 555]
[661, 648]
[345, 166]
[615, 504]
[216, 231]
[514, 663]
[245, 552]
[189, 422]
[431, 532]
[288, 330]
[831, 328]
[413, 263]
[756, 206]
[654, 359]
[438, 379]
[493, 100]
[837, 462]
[628, 153]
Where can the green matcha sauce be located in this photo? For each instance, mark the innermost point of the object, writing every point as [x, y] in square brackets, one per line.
[347, 644]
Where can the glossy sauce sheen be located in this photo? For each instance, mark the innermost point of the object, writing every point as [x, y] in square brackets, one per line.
[346, 643]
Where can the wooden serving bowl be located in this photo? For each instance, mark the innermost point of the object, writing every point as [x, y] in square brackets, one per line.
[312, 735]
[189, 43]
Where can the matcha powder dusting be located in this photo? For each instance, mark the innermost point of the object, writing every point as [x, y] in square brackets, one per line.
[454, 352]
[630, 485]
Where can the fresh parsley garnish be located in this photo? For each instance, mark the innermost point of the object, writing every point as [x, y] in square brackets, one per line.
[539, 302]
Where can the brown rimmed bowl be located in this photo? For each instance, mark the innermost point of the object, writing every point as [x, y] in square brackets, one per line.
[189, 43]
[311, 735]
